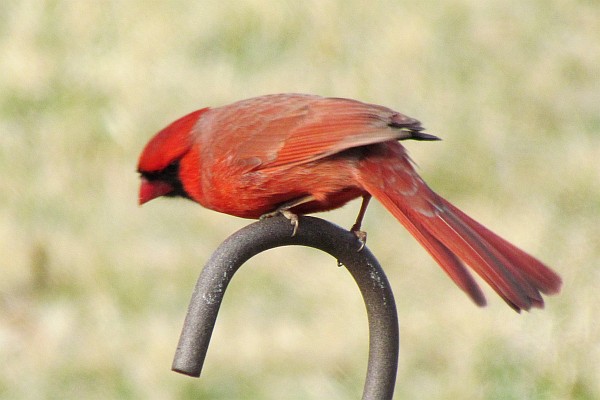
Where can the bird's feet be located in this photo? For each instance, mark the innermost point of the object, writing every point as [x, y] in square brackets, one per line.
[284, 210]
[361, 236]
[286, 213]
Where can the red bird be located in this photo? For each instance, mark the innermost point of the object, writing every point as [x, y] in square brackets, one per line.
[298, 154]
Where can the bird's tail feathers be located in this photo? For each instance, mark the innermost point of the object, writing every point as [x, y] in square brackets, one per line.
[454, 239]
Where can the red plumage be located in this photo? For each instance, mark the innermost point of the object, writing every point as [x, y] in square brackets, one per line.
[310, 154]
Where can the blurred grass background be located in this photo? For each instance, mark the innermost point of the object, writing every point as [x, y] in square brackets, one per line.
[94, 289]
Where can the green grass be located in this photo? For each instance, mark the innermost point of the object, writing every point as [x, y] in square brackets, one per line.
[94, 289]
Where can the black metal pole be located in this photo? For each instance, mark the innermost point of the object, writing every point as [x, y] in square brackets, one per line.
[312, 232]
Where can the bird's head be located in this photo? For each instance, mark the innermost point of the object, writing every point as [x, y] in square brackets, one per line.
[159, 163]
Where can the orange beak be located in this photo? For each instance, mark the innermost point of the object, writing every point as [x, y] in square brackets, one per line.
[152, 189]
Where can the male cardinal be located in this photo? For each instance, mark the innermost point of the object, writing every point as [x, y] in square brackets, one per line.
[298, 154]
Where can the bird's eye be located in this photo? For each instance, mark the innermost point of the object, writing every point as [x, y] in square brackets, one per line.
[172, 169]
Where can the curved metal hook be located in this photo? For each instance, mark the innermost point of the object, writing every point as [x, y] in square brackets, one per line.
[312, 232]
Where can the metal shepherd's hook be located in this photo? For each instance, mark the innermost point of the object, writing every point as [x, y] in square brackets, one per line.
[312, 232]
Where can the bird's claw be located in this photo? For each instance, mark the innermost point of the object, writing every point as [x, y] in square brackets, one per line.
[361, 236]
[286, 213]
[293, 219]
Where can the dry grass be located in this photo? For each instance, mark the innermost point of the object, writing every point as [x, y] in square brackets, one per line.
[94, 289]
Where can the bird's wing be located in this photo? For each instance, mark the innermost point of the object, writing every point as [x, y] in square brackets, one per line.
[289, 129]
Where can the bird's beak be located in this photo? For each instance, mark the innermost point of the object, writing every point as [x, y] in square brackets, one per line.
[152, 189]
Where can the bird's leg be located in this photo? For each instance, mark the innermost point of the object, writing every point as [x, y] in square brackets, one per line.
[284, 210]
[361, 235]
